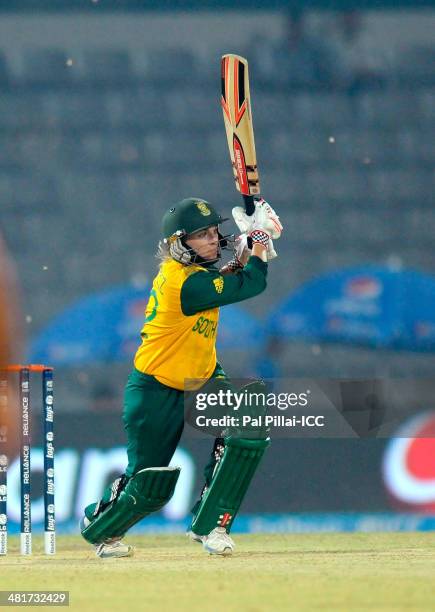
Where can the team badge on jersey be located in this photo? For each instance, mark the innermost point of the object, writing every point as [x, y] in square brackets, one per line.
[203, 209]
[218, 284]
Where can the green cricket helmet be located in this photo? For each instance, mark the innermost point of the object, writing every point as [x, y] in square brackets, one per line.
[186, 217]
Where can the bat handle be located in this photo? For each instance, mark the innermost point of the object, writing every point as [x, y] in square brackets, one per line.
[249, 204]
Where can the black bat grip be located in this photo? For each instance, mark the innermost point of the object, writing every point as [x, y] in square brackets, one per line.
[249, 204]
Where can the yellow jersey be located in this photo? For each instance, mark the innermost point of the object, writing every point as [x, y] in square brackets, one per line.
[176, 347]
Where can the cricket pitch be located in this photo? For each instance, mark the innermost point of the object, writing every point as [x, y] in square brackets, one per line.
[376, 571]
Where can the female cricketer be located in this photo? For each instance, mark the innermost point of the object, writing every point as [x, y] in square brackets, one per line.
[179, 345]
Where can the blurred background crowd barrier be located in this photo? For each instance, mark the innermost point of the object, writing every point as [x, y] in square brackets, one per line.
[109, 116]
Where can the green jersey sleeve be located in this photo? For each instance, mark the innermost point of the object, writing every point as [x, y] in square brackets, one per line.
[209, 289]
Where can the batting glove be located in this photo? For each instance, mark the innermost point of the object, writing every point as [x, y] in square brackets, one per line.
[243, 246]
[264, 216]
[271, 253]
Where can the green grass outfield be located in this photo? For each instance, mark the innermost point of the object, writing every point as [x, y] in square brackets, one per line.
[381, 571]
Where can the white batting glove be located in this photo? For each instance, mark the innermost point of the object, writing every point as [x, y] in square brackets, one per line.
[242, 251]
[271, 253]
[241, 255]
[264, 217]
[242, 220]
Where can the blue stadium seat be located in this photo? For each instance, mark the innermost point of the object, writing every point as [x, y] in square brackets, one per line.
[47, 67]
[73, 109]
[385, 109]
[107, 66]
[138, 108]
[18, 111]
[26, 191]
[325, 109]
[297, 146]
[10, 157]
[426, 105]
[5, 74]
[171, 66]
[272, 110]
[416, 65]
[195, 109]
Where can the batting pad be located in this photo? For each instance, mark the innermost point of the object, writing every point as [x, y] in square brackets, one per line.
[147, 491]
[221, 501]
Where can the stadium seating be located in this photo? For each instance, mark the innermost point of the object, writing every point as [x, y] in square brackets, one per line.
[95, 155]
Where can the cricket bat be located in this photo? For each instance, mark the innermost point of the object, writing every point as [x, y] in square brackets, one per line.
[236, 106]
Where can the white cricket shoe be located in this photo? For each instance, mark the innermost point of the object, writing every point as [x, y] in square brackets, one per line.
[218, 542]
[195, 537]
[115, 548]
[111, 548]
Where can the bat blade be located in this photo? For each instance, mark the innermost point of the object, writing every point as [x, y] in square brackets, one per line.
[236, 107]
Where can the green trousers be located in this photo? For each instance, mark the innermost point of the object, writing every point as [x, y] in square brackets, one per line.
[153, 420]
